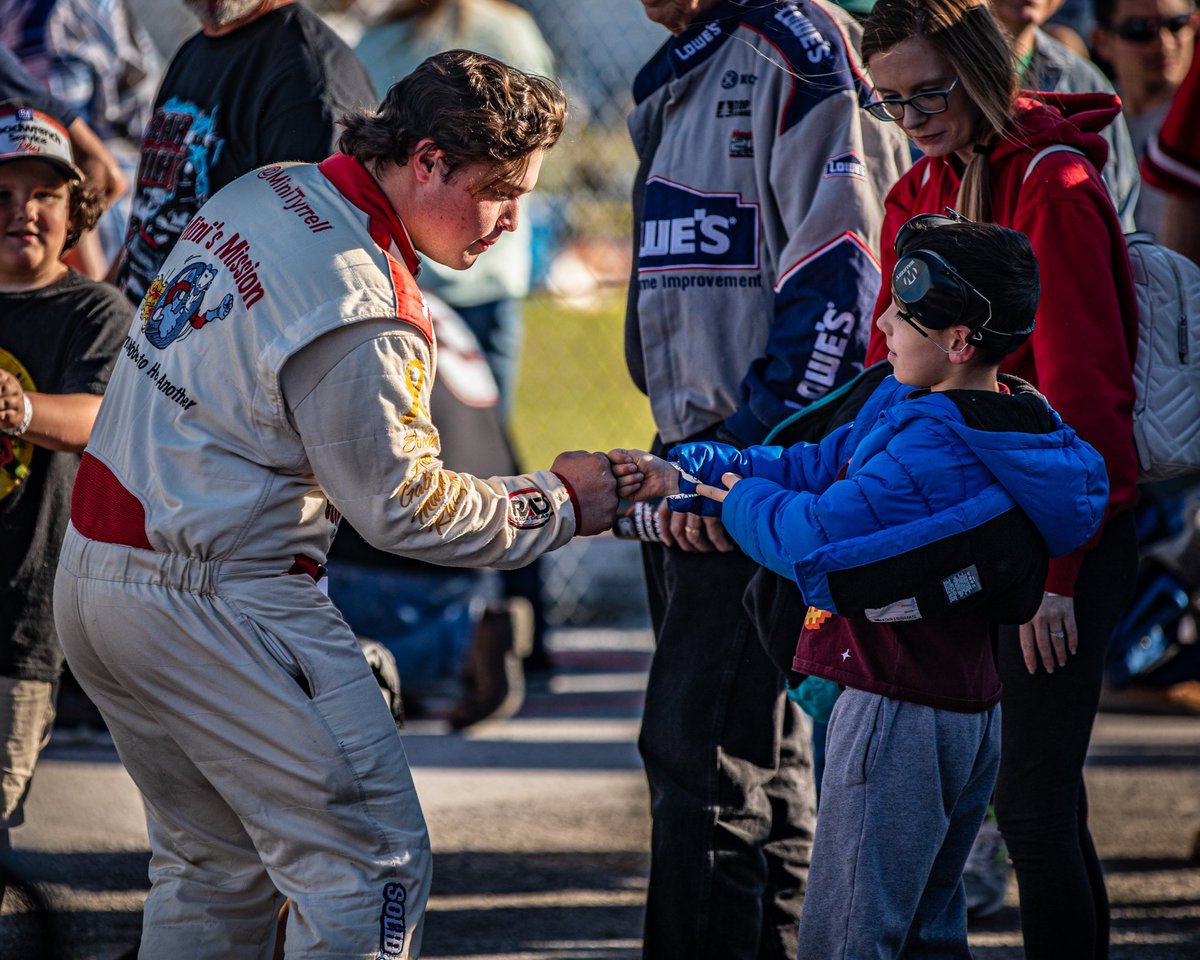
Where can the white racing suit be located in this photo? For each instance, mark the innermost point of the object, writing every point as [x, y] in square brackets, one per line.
[278, 374]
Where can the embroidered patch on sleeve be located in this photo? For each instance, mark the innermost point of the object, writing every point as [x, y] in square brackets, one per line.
[529, 508]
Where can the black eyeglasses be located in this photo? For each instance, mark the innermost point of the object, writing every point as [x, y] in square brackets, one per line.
[1145, 29]
[930, 102]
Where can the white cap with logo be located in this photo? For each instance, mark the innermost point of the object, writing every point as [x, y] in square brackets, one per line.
[29, 134]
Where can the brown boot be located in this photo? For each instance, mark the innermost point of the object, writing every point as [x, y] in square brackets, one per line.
[493, 681]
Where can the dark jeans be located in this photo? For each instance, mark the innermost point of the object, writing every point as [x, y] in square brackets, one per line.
[1041, 804]
[728, 760]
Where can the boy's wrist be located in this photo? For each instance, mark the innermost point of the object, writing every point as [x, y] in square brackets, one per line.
[26, 417]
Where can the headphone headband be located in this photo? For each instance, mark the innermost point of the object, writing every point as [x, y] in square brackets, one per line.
[936, 294]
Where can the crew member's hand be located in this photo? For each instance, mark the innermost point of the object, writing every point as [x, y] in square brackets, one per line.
[590, 476]
[97, 164]
[1051, 635]
[12, 401]
[692, 533]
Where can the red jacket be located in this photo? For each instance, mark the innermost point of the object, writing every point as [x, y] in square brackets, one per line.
[1081, 353]
[1172, 160]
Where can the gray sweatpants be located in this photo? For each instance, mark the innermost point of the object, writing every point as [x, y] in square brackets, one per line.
[904, 792]
[270, 766]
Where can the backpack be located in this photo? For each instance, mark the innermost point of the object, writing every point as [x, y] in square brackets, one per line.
[1166, 369]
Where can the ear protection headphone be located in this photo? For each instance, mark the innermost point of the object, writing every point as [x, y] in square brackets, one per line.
[934, 293]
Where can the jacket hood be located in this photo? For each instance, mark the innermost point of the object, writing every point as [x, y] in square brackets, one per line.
[1058, 480]
[1073, 119]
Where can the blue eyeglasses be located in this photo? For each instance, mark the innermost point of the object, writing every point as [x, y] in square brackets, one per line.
[929, 103]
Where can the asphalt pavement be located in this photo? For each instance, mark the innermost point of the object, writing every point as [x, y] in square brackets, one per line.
[539, 827]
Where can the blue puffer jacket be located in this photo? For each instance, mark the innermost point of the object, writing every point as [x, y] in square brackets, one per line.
[914, 468]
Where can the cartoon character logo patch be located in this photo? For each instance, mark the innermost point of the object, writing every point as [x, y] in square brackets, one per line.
[173, 309]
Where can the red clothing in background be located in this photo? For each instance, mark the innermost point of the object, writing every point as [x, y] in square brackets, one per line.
[1081, 354]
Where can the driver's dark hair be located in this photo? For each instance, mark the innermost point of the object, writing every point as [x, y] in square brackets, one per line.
[473, 107]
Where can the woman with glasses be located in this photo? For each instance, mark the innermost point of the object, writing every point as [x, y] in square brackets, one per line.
[944, 72]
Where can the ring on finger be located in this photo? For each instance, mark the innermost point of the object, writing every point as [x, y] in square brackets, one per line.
[1057, 633]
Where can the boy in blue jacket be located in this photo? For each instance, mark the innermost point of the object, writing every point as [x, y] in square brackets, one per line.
[911, 532]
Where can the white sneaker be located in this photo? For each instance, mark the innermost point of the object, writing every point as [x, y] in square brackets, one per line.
[987, 870]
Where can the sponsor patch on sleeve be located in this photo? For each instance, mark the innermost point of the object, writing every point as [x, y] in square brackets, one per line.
[898, 612]
[529, 508]
[845, 165]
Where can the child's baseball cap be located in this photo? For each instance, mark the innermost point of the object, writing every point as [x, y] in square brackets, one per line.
[29, 134]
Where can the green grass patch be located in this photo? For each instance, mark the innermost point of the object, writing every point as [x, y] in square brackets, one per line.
[574, 391]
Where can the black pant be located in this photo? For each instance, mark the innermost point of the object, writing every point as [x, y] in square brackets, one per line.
[1041, 804]
[728, 761]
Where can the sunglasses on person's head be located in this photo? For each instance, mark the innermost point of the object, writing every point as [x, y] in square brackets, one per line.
[1145, 29]
[929, 103]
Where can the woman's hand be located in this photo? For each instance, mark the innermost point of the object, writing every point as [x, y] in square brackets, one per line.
[1051, 636]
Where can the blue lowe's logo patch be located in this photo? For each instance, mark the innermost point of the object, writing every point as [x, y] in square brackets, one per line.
[684, 229]
[846, 165]
[393, 928]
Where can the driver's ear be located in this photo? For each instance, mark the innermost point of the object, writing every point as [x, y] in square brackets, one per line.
[425, 157]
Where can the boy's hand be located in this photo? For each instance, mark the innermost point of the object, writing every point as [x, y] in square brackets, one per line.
[718, 493]
[625, 469]
[642, 476]
[12, 401]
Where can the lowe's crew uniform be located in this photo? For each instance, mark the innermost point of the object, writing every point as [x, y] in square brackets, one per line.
[914, 741]
[277, 375]
[756, 208]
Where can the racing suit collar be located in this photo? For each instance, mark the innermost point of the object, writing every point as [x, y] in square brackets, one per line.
[353, 181]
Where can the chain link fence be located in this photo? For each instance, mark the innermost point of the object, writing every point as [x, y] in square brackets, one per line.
[574, 366]
[582, 265]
